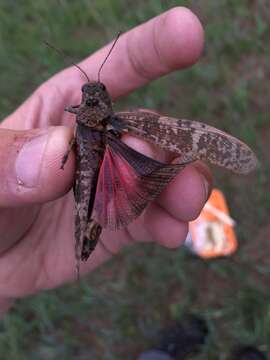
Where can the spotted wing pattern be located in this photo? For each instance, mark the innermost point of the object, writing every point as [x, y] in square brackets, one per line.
[191, 140]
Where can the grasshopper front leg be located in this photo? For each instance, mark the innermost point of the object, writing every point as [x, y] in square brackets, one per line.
[66, 155]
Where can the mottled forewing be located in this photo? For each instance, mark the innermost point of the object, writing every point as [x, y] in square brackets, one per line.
[88, 163]
[127, 182]
[191, 140]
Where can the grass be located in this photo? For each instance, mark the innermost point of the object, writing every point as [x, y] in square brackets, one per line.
[119, 310]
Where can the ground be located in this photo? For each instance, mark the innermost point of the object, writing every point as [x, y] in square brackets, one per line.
[117, 311]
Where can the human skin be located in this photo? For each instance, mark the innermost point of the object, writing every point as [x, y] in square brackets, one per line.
[36, 200]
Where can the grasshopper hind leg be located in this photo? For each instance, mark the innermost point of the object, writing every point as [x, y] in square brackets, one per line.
[88, 244]
[90, 239]
[66, 154]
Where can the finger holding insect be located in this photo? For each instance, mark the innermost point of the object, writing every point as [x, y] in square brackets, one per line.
[30, 175]
[165, 221]
[30, 166]
[185, 195]
[173, 40]
[181, 201]
[155, 225]
[163, 228]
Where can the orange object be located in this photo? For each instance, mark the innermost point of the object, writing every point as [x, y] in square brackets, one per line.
[212, 233]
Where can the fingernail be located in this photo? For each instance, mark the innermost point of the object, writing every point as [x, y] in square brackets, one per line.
[206, 178]
[29, 160]
[206, 187]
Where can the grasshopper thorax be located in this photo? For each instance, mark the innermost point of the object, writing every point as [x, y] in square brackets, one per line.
[95, 106]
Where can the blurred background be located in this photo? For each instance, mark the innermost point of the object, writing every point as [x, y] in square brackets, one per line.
[117, 311]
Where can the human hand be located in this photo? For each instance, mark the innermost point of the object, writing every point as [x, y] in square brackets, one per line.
[36, 206]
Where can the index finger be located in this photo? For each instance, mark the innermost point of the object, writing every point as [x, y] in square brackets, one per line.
[170, 41]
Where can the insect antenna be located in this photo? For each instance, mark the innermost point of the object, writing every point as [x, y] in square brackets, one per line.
[63, 53]
[109, 53]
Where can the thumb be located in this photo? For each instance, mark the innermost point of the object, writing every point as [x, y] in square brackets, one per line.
[30, 166]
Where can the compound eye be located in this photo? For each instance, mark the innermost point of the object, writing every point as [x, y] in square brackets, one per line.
[103, 87]
[92, 102]
[86, 87]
